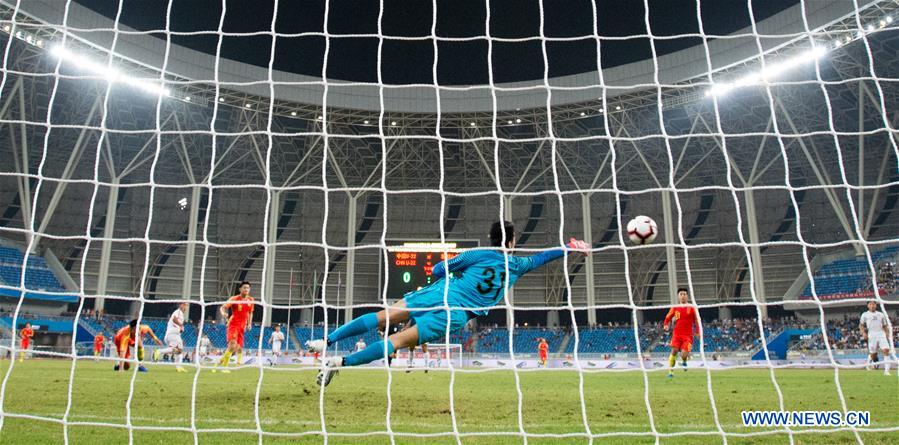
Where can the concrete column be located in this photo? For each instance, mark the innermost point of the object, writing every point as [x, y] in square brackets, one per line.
[552, 319]
[640, 317]
[350, 259]
[588, 261]
[670, 239]
[268, 277]
[725, 313]
[106, 245]
[190, 250]
[758, 279]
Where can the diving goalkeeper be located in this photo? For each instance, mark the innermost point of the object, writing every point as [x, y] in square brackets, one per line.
[478, 282]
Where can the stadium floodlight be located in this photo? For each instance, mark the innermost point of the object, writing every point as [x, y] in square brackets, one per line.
[889, 19]
[293, 113]
[111, 74]
[769, 72]
[518, 121]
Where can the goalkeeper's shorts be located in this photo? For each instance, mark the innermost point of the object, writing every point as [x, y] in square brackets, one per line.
[432, 325]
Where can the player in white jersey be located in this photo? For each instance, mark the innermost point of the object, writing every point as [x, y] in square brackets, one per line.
[874, 328]
[203, 348]
[174, 343]
[276, 339]
[360, 345]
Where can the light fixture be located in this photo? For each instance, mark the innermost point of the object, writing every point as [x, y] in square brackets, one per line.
[393, 123]
[870, 28]
[617, 107]
[583, 114]
[365, 122]
[518, 121]
[320, 118]
[7, 28]
[293, 113]
[889, 19]
[221, 99]
[111, 74]
[769, 72]
[187, 99]
[246, 105]
[471, 124]
[509, 122]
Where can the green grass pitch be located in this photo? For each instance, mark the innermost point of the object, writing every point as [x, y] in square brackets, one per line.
[356, 402]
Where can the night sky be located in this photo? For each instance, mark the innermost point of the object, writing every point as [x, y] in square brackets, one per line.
[459, 62]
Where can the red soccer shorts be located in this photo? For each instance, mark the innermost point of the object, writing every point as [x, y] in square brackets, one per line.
[124, 352]
[25, 343]
[235, 333]
[682, 342]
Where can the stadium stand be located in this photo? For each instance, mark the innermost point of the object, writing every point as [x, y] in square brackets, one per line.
[38, 275]
[847, 278]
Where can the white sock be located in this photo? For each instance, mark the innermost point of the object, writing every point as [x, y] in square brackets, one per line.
[164, 351]
[179, 358]
[886, 367]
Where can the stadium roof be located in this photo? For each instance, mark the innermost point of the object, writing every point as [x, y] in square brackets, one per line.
[676, 68]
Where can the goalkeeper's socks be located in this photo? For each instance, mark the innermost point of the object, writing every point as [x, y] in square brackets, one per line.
[672, 359]
[356, 326]
[371, 353]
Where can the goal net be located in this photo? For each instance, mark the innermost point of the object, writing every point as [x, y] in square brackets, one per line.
[152, 156]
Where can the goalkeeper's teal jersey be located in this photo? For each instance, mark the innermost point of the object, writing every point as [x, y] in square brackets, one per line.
[478, 279]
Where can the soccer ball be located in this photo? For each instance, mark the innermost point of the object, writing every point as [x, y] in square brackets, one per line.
[642, 230]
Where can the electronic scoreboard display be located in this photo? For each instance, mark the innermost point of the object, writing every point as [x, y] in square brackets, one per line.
[410, 264]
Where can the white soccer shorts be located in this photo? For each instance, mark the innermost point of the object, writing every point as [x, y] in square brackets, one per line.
[878, 343]
[276, 348]
[174, 341]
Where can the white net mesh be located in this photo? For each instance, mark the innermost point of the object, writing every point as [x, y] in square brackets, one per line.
[777, 114]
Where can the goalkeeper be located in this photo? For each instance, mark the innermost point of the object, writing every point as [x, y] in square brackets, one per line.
[477, 282]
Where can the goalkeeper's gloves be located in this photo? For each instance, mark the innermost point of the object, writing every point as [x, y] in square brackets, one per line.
[576, 245]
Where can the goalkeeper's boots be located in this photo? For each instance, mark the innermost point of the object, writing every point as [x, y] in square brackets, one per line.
[156, 355]
[316, 345]
[141, 368]
[329, 370]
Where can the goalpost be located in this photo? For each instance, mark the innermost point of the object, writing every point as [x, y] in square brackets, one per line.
[49, 49]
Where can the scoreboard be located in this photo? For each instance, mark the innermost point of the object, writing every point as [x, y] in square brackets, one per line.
[410, 264]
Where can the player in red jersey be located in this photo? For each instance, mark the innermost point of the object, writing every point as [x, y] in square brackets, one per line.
[543, 349]
[132, 336]
[99, 340]
[240, 321]
[686, 324]
[26, 333]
